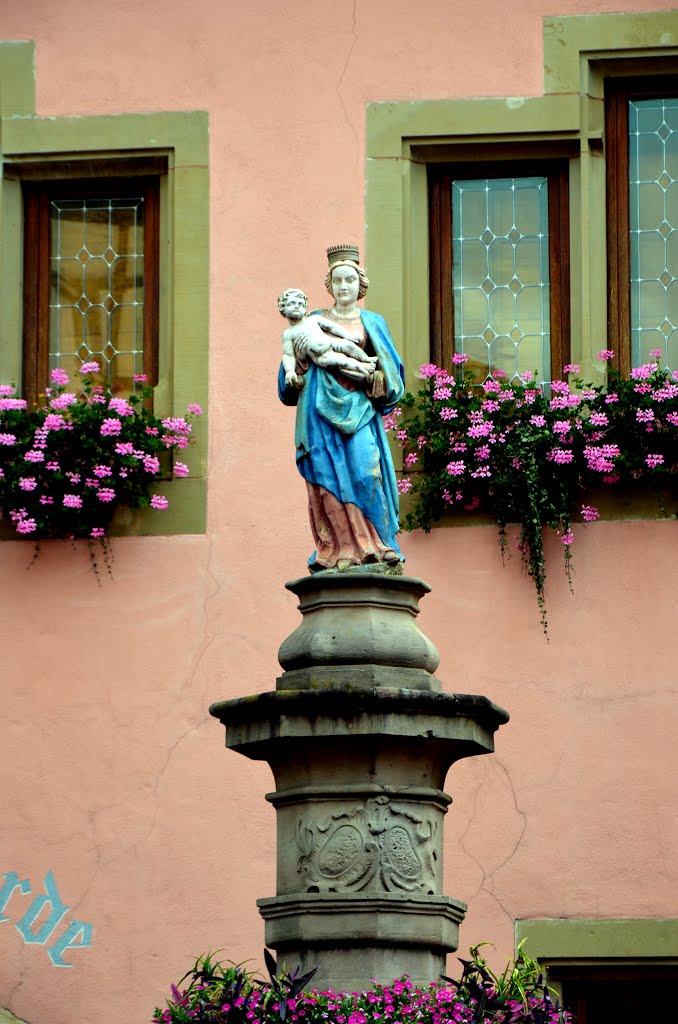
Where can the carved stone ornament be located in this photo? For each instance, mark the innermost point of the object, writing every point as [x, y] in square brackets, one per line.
[380, 846]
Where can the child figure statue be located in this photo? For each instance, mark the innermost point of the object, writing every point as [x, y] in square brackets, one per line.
[323, 341]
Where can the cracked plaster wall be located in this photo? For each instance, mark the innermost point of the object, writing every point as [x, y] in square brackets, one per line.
[112, 773]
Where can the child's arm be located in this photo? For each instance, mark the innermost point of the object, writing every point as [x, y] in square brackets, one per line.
[289, 361]
[330, 327]
[347, 344]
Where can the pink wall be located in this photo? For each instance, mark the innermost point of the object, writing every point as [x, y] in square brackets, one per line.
[114, 776]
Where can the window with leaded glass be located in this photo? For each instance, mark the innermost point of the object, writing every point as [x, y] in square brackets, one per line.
[91, 280]
[642, 210]
[499, 267]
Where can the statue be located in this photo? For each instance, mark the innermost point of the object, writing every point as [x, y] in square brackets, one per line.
[341, 447]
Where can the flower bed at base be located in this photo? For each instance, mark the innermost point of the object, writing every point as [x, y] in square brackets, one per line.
[67, 464]
[218, 994]
[528, 455]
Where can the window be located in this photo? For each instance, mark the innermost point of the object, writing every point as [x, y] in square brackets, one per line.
[499, 267]
[605, 970]
[91, 280]
[139, 304]
[609, 994]
[642, 205]
[619, 287]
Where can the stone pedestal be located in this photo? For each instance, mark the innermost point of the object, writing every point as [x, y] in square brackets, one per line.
[360, 739]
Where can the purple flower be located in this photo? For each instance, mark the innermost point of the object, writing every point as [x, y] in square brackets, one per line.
[91, 367]
[72, 501]
[53, 421]
[606, 354]
[26, 525]
[560, 455]
[177, 424]
[63, 401]
[110, 428]
[159, 501]
[59, 377]
[480, 429]
[643, 372]
[121, 406]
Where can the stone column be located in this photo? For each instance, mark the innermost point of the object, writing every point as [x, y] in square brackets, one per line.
[360, 738]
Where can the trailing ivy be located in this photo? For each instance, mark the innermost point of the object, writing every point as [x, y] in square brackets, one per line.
[527, 454]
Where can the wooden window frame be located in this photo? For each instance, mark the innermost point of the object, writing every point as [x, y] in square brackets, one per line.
[618, 93]
[556, 172]
[36, 291]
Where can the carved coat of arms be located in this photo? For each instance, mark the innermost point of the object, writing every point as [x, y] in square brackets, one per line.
[379, 845]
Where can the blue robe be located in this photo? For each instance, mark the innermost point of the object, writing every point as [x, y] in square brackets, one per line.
[340, 438]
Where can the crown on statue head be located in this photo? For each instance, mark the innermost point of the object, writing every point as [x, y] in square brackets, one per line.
[337, 253]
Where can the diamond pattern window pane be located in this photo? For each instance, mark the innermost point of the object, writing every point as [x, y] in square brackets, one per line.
[501, 274]
[97, 287]
[653, 210]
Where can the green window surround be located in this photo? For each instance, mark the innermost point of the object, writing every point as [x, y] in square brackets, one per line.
[32, 147]
[577, 953]
[406, 139]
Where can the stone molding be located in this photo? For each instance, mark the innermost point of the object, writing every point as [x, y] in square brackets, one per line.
[346, 919]
[365, 621]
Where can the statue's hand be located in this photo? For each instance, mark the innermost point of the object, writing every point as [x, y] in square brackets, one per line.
[301, 343]
[295, 380]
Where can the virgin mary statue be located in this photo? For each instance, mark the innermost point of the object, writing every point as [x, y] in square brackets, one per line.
[341, 447]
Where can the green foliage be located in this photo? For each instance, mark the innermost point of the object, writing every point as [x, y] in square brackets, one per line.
[230, 995]
[527, 454]
[69, 462]
[520, 989]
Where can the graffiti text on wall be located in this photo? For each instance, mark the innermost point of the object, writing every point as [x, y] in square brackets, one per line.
[78, 934]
